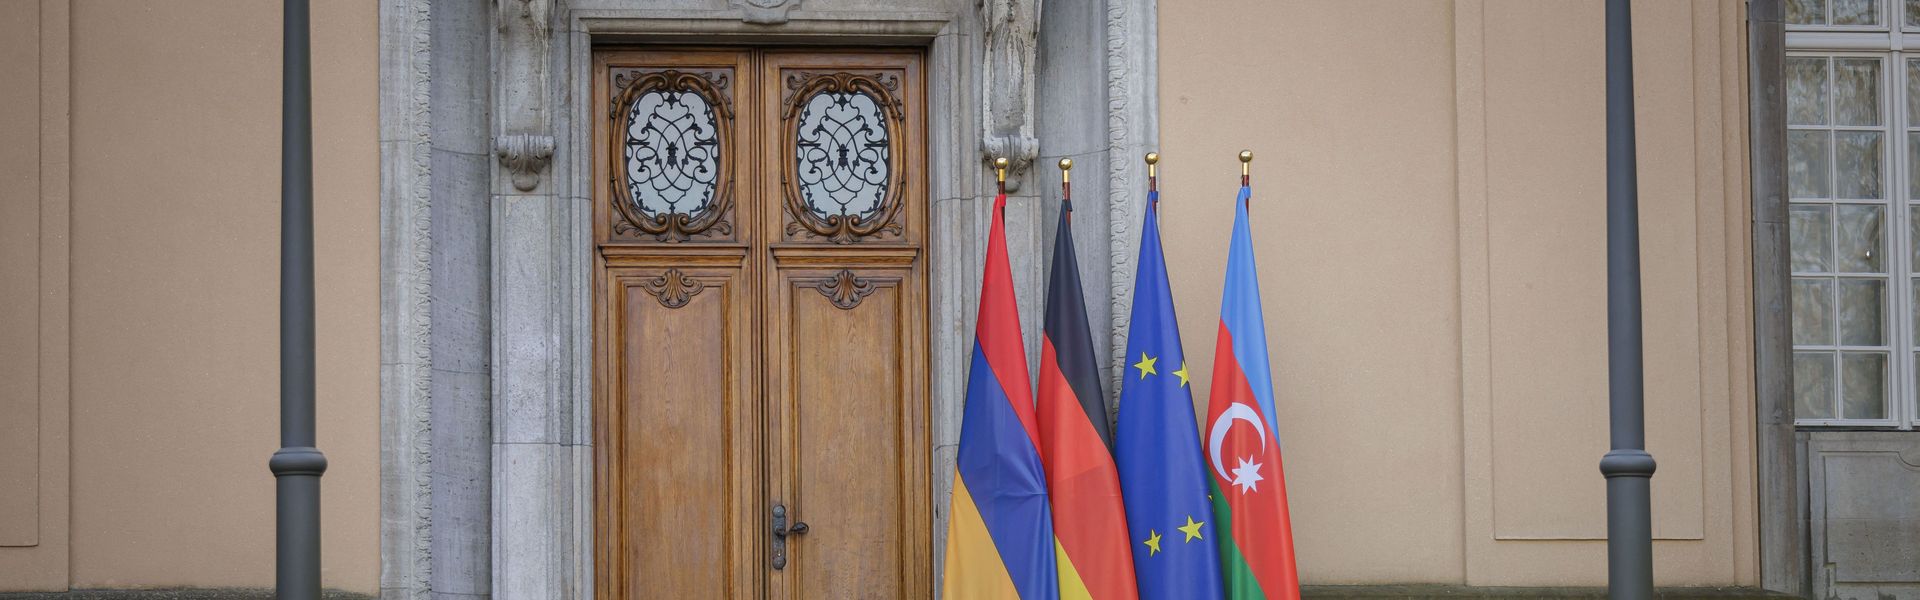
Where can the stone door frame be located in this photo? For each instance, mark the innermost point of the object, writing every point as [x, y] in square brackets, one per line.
[486, 458]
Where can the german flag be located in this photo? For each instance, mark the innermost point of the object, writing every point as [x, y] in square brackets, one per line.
[1076, 443]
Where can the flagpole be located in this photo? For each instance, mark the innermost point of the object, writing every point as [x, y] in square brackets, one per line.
[1628, 467]
[1246, 167]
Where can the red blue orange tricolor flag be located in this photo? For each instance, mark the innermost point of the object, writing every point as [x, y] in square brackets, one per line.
[1243, 440]
[1000, 540]
[1076, 444]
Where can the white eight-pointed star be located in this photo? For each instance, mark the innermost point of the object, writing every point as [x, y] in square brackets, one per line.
[1247, 475]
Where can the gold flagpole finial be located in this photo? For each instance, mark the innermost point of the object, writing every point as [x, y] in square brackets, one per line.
[1153, 171]
[1066, 185]
[1000, 172]
[1246, 165]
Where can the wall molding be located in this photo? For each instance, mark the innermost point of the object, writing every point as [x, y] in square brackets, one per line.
[35, 551]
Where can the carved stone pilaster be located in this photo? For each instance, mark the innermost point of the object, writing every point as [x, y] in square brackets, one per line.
[1013, 28]
[525, 141]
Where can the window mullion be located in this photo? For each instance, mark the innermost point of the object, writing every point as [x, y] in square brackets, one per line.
[1901, 406]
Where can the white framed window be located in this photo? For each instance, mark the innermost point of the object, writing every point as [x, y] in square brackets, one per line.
[1852, 75]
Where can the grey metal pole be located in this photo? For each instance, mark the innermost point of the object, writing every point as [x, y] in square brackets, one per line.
[1627, 467]
[298, 465]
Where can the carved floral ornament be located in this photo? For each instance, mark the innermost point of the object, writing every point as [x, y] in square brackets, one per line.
[843, 168]
[671, 133]
[673, 288]
[845, 289]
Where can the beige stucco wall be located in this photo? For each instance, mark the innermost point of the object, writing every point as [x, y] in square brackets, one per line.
[1428, 210]
[1428, 197]
[174, 173]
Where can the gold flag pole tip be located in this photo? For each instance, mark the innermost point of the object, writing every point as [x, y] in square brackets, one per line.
[1000, 168]
[1066, 170]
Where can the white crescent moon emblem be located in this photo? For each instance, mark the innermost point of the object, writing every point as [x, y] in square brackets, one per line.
[1218, 433]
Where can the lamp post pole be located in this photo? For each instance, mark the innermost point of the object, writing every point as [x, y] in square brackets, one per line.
[298, 465]
[1627, 466]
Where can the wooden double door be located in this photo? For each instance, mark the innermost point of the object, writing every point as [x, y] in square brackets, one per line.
[760, 335]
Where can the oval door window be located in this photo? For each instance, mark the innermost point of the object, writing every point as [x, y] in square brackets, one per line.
[672, 153]
[842, 155]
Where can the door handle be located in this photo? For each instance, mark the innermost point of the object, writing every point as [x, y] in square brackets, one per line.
[780, 532]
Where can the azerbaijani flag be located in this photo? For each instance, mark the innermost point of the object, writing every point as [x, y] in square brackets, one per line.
[1089, 520]
[1243, 443]
[1000, 534]
[1163, 469]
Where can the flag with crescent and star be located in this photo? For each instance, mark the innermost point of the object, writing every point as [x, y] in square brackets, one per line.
[1243, 437]
[1163, 469]
[1075, 442]
[1000, 540]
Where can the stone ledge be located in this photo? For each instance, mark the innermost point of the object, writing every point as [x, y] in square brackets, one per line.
[172, 594]
[1461, 592]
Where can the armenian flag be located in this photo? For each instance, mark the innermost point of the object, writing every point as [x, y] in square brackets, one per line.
[1089, 520]
[1000, 540]
[1163, 469]
[1243, 443]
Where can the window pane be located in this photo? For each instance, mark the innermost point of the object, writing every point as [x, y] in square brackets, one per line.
[1913, 229]
[1812, 243]
[1806, 12]
[1807, 163]
[1913, 164]
[1856, 91]
[1860, 236]
[1913, 13]
[1857, 168]
[1812, 311]
[1813, 385]
[1913, 87]
[1861, 305]
[1863, 385]
[1807, 90]
[1856, 12]
[672, 153]
[1914, 294]
[843, 154]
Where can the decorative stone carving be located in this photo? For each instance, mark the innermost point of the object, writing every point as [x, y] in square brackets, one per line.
[524, 155]
[525, 142]
[764, 12]
[674, 288]
[845, 289]
[1013, 28]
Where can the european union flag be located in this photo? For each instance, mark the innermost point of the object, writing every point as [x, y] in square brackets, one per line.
[1163, 470]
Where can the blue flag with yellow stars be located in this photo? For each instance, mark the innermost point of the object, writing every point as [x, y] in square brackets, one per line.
[1163, 470]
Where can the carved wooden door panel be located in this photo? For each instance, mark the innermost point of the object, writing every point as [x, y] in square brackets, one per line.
[760, 334]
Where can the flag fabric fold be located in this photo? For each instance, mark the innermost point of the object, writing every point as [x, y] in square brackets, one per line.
[1089, 519]
[1243, 441]
[1163, 468]
[1000, 541]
